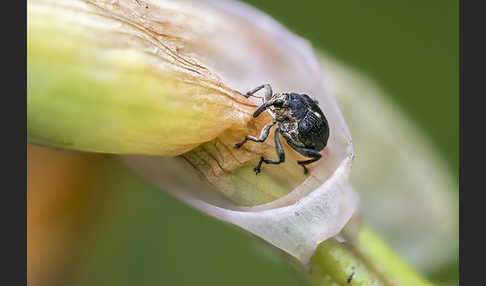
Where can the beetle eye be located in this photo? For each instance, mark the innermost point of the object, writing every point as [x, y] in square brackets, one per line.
[279, 103]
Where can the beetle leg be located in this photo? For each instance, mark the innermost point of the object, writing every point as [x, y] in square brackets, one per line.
[315, 155]
[262, 108]
[268, 91]
[280, 153]
[263, 135]
[269, 100]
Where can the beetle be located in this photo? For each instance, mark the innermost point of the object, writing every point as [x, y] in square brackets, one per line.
[299, 119]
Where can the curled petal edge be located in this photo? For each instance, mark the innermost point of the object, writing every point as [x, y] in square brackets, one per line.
[297, 228]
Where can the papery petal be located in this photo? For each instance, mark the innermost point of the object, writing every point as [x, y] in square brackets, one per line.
[182, 66]
[245, 50]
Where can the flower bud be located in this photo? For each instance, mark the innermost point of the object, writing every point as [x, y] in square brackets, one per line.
[163, 82]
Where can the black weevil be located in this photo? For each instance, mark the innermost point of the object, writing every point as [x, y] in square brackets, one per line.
[300, 121]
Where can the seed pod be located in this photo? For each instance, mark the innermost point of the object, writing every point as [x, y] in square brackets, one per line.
[165, 78]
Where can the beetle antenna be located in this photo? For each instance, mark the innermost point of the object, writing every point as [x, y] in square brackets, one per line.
[252, 95]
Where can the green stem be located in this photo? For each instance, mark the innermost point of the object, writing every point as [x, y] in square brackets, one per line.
[365, 261]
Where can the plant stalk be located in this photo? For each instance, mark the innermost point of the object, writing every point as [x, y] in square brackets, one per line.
[365, 261]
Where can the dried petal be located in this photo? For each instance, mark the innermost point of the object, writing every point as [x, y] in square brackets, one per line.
[162, 78]
[281, 205]
[115, 84]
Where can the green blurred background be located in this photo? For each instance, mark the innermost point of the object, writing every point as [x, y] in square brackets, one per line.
[128, 232]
